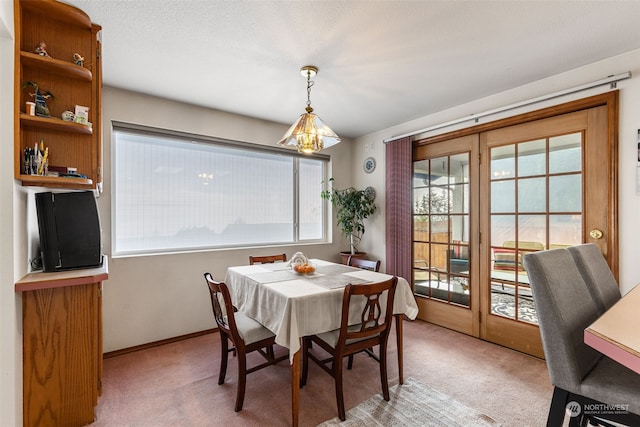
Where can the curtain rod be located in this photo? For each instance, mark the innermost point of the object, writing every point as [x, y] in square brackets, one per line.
[610, 79]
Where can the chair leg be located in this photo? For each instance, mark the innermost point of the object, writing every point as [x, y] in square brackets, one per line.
[337, 375]
[383, 371]
[575, 422]
[557, 408]
[224, 345]
[242, 380]
[350, 362]
[306, 344]
[270, 352]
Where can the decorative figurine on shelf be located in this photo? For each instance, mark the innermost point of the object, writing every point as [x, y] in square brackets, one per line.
[41, 49]
[40, 99]
[78, 59]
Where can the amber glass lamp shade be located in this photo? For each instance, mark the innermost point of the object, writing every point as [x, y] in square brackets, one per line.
[309, 134]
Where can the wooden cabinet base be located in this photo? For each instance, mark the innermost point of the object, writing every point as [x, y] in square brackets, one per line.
[59, 352]
[61, 346]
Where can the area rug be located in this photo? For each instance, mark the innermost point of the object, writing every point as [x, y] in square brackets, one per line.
[412, 404]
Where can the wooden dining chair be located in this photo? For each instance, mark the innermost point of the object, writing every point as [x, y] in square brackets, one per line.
[365, 264]
[267, 259]
[373, 329]
[246, 334]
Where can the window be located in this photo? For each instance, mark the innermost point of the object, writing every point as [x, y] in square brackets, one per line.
[175, 191]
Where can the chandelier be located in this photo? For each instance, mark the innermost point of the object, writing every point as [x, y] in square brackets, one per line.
[309, 134]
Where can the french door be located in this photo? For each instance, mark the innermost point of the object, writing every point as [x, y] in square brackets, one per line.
[483, 201]
[445, 230]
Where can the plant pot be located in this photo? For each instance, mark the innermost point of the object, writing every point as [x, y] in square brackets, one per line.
[346, 254]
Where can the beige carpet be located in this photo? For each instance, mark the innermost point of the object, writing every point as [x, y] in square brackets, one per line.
[412, 404]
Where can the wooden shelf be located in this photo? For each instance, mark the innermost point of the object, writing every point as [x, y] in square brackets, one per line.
[54, 124]
[55, 66]
[58, 11]
[55, 181]
[46, 280]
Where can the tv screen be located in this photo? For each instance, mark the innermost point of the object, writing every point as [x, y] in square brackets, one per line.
[69, 229]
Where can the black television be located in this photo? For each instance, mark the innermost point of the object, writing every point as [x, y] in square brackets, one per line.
[69, 228]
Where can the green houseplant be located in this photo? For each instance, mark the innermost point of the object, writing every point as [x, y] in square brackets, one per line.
[354, 206]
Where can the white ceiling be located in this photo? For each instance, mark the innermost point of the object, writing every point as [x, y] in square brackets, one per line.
[380, 63]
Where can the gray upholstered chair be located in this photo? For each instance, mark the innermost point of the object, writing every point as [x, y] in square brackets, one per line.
[579, 373]
[596, 274]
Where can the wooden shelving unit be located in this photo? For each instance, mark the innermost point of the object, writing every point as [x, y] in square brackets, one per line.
[62, 311]
[66, 30]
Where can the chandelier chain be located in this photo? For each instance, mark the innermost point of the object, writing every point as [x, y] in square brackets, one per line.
[309, 84]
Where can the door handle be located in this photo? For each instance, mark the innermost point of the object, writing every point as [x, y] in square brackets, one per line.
[596, 234]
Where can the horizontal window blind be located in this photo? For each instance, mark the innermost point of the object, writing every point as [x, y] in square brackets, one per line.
[177, 192]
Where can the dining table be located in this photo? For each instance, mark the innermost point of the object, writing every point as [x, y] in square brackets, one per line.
[615, 333]
[294, 305]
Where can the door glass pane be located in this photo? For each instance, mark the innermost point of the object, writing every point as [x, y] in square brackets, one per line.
[503, 164]
[565, 153]
[439, 228]
[503, 228]
[531, 158]
[565, 193]
[503, 300]
[421, 227]
[439, 254]
[459, 168]
[533, 229]
[526, 308]
[421, 200]
[503, 196]
[422, 273]
[459, 198]
[458, 257]
[565, 230]
[438, 201]
[460, 228]
[420, 172]
[440, 167]
[532, 195]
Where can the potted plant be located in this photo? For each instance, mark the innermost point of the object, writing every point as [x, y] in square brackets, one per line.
[354, 206]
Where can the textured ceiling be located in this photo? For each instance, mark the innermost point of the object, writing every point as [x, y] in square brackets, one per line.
[380, 63]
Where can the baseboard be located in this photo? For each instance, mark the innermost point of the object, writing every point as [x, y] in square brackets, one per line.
[157, 343]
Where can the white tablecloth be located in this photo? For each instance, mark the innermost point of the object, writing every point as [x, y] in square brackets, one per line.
[293, 305]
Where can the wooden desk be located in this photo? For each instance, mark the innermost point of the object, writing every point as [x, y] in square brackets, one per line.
[62, 346]
[616, 334]
[293, 306]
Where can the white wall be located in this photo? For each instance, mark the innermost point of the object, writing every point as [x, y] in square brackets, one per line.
[151, 298]
[629, 123]
[10, 322]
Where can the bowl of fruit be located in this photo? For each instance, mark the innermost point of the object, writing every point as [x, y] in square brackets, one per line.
[304, 268]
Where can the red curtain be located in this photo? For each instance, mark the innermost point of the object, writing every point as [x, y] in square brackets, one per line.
[399, 171]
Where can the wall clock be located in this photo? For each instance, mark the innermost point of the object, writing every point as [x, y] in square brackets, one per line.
[369, 164]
